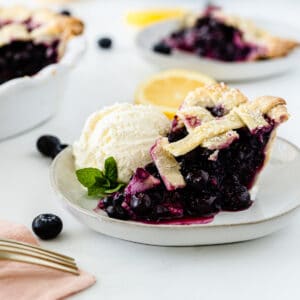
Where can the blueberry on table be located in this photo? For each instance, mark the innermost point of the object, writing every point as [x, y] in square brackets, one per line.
[105, 43]
[50, 145]
[162, 48]
[65, 12]
[47, 226]
[63, 146]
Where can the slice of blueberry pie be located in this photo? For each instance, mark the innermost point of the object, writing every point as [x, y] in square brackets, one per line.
[219, 36]
[218, 144]
[32, 39]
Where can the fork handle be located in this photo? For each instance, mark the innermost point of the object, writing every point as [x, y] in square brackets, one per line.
[33, 253]
[37, 261]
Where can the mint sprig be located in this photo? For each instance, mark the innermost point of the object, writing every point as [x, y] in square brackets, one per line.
[101, 183]
[111, 169]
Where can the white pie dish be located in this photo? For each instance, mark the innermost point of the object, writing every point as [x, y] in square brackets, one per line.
[227, 71]
[31, 100]
[277, 202]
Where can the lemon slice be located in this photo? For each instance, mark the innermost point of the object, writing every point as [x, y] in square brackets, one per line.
[147, 17]
[168, 89]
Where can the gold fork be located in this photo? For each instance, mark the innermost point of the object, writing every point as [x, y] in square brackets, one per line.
[23, 252]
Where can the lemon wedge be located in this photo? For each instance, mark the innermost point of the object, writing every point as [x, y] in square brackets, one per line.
[168, 89]
[147, 17]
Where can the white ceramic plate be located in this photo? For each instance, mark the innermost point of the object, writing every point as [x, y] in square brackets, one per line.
[275, 205]
[219, 70]
[32, 100]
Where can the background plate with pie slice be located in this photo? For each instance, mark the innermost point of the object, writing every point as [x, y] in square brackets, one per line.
[276, 203]
[228, 71]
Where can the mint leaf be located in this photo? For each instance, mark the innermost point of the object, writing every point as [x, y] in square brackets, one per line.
[102, 181]
[96, 191]
[111, 169]
[87, 176]
[117, 188]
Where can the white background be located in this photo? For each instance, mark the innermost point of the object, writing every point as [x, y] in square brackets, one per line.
[267, 268]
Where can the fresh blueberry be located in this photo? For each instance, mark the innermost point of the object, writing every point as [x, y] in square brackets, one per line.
[63, 146]
[49, 145]
[58, 150]
[47, 226]
[162, 48]
[66, 12]
[105, 43]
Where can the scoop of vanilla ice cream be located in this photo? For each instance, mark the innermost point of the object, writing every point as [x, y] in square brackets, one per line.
[124, 131]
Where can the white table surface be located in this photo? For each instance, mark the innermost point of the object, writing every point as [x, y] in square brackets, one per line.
[267, 268]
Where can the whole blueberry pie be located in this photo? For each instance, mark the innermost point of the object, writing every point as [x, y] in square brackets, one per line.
[32, 39]
[218, 144]
[216, 35]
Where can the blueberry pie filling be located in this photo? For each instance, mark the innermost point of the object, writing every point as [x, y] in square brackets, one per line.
[32, 39]
[218, 36]
[20, 58]
[203, 167]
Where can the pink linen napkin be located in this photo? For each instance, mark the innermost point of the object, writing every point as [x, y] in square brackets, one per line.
[21, 281]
